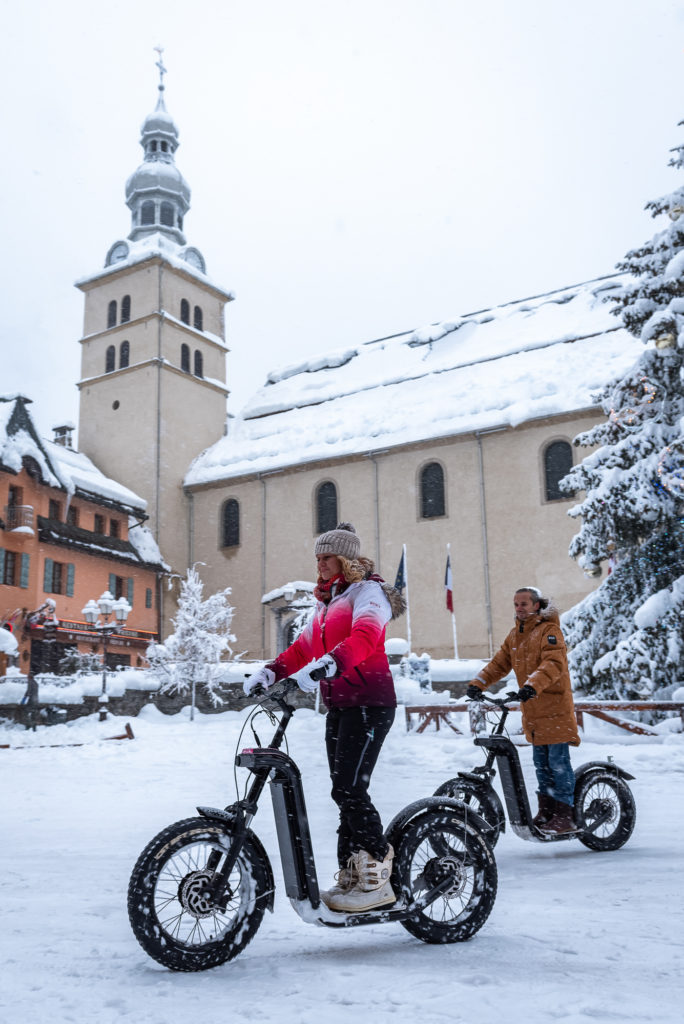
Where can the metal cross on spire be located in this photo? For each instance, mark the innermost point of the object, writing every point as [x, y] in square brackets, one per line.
[160, 65]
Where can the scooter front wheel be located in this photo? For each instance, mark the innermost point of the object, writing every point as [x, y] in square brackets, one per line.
[435, 847]
[482, 799]
[173, 915]
[606, 798]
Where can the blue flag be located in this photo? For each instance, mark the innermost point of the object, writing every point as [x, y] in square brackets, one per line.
[400, 581]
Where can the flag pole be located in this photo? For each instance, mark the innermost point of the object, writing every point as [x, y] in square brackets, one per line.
[453, 615]
[408, 613]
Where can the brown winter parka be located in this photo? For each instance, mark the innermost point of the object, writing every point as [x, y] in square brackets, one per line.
[535, 650]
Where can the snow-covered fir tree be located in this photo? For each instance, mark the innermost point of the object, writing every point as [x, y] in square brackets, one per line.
[190, 656]
[628, 636]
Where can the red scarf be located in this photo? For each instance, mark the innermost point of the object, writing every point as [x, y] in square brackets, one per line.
[323, 588]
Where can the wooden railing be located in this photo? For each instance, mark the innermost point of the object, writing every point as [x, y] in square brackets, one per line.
[439, 714]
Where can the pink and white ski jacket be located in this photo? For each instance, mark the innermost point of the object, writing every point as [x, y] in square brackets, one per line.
[351, 628]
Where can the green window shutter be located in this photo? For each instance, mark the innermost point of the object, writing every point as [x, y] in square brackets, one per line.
[47, 576]
[25, 564]
[130, 590]
[2, 565]
[112, 584]
[148, 597]
[71, 572]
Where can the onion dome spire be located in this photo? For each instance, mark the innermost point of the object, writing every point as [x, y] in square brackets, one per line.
[156, 193]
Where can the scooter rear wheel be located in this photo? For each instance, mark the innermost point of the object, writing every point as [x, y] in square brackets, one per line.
[482, 799]
[438, 845]
[172, 914]
[606, 796]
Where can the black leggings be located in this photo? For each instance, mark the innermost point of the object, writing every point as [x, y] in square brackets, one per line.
[353, 738]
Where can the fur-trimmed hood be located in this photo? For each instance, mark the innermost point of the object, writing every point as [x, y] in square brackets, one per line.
[396, 599]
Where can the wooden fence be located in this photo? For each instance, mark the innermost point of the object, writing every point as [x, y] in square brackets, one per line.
[440, 714]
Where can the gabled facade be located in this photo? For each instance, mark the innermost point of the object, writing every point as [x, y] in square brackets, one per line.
[68, 533]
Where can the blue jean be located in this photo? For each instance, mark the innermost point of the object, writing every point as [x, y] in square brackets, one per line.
[555, 776]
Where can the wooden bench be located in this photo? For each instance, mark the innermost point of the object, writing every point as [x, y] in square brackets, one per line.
[438, 714]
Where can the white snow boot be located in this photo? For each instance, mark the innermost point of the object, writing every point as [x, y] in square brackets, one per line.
[372, 888]
[345, 879]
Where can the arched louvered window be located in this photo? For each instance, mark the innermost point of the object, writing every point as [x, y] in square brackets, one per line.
[124, 355]
[125, 309]
[110, 359]
[147, 212]
[230, 524]
[185, 358]
[557, 464]
[198, 319]
[111, 314]
[185, 311]
[166, 215]
[326, 507]
[432, 497]
[198, 368]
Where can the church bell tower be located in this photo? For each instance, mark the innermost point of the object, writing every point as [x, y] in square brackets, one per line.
[152, 389]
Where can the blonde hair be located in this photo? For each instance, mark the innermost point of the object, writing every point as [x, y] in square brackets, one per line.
[355, 569]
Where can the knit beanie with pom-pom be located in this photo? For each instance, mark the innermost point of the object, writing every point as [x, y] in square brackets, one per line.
[343, 540]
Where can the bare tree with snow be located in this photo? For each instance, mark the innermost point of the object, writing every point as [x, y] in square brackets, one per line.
[628, 636]
[190, 656]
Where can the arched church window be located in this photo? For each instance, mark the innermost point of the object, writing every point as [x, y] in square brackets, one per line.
[125, 309]
[185, 311]
[557, 464]
[198, 319]
[111, 314]
[164, 147]
[199, 364]
[326, 507]
[230, 524]
[110, 359]
[147, 212]
[166, 214]
[153, 146]
[185, 358]
[432, 498]
[124, 355]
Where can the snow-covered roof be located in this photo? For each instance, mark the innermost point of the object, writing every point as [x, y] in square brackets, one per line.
[543, 356]
[145, 248]
[61, 467]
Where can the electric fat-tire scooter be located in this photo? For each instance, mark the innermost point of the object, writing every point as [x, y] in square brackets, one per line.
[604, 806]
[199, 890]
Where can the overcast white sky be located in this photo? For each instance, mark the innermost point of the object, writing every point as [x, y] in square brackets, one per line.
[358, 168]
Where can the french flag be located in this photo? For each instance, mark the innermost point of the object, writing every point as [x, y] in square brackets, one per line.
[449, 586]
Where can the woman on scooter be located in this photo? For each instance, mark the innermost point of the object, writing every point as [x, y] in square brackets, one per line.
[535, 650]
[346, 637]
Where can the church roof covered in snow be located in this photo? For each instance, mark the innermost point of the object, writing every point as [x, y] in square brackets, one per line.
[537, 357]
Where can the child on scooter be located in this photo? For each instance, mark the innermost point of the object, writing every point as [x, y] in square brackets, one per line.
[347, 637]
[535, 650]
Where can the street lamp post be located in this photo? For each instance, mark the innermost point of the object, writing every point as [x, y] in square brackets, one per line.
[104, 608]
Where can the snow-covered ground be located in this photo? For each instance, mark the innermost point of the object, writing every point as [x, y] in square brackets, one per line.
[575, 936]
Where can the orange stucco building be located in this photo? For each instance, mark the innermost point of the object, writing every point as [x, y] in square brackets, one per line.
[67, 534]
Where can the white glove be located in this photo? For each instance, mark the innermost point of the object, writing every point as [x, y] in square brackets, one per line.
[265, 677]
[327, 663]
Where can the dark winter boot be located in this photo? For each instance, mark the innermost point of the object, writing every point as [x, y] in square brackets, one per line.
[562, 820]
[547, 805]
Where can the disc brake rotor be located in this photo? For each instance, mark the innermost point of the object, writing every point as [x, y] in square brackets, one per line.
[194, 894]
[438, 869]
